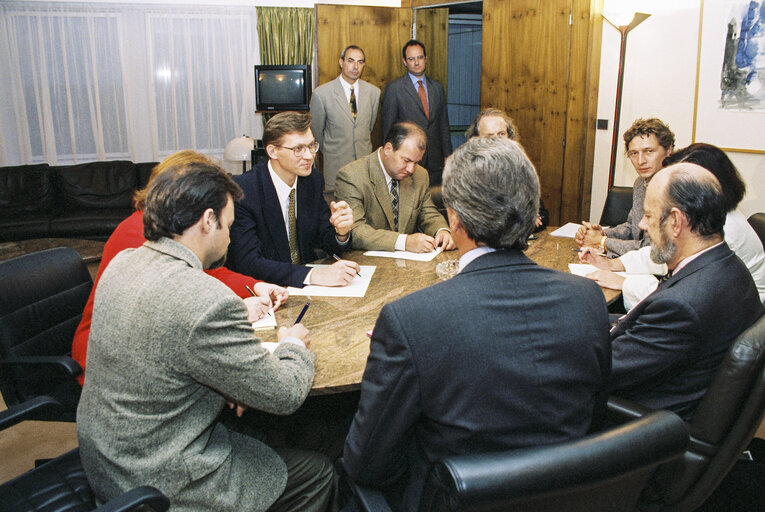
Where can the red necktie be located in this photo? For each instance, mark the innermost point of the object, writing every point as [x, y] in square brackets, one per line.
[423, 97]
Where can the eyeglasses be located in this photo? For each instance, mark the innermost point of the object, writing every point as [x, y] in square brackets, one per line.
[299, 150]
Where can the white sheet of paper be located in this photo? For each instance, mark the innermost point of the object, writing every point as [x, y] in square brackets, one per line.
[266, 322]
[582, 269]
[269, 345]
[405, 255]
[567, 231]
[357, 287]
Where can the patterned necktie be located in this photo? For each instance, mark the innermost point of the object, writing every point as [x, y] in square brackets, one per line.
[423, 97]
[353, 103]
[394, 202]
[294, 252]
[664, 277]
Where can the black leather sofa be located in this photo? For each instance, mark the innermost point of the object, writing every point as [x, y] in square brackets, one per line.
[68, 201]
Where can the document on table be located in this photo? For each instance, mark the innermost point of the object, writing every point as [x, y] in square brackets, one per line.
[357, 287]
[269, 345]
[405, 255]
[266, 322]
[567, 230]
[582, 269]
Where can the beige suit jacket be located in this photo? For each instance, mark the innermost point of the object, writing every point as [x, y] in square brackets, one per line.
[362, 184]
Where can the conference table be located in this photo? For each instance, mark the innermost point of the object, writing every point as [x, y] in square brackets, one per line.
[339, 325]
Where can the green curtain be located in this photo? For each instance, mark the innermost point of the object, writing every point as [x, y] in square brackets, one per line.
[285, 35]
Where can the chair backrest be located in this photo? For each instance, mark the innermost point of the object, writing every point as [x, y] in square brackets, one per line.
[721, 428]
[41, 301]
[617, 207]
[757, 221]
[604, 471]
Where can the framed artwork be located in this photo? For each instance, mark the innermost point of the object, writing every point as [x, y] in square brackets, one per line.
[730, 79]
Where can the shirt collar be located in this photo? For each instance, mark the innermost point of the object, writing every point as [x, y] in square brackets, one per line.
[692, 257]
[472, 254]
[388, 179]
[414, 80]
[282, 189]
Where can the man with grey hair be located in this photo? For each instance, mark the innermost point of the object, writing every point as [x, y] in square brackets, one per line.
[496, 357]
[667, 349]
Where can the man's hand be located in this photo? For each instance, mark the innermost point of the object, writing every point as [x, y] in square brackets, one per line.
[340, 273]
[296, 331]
[593, 257]
[239, 408]
[607, 279]
[341, 219]
[275, 294]
[420, 242]
[589, 234]
[538, 222]
[444, 240]
[257, 307]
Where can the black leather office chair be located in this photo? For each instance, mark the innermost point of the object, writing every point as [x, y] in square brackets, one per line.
[60, 484]
[721, 428]
[41, 301]
[757, 221]
[604, 472]
[617, 207]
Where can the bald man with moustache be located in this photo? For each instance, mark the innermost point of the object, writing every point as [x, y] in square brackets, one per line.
[667, 349]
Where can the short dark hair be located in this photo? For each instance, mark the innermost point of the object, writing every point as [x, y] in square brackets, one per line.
[512, 130]
[178, 196]
[399, 132]
[353, 47]
[651, 126]
[700, 199]
[413, 42]
[284, 123]
[714, 160]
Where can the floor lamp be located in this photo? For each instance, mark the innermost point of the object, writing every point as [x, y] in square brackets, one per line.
[637, 19]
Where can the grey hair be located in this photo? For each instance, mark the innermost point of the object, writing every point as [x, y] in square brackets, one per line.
[492, 186]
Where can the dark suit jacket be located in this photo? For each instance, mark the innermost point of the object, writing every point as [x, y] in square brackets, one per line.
[668, 347]
[401, 103]
[497, 357]
[259, 245]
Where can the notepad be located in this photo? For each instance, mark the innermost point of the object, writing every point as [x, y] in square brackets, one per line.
[356, 288]
[567, 230]
[266, 322]
[583, 269]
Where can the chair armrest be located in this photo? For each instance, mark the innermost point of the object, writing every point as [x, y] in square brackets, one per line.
[621, 410]
[66, 363]
[369, 499]
[145, 495]
[33, 409]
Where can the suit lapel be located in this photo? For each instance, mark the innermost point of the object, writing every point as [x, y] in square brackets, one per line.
[411, 91]
[305, 208]
[696, 265]
[342, 104]
[405, 201]
[272, 212]
[380, 188]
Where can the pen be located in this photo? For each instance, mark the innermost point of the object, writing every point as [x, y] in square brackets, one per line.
[337, 258]
[250, 290]
[300, 316]
[579, 250]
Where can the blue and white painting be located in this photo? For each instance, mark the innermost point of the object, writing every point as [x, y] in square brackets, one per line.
[742, 81]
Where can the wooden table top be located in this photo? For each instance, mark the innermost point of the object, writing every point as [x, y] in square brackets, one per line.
[338, 325]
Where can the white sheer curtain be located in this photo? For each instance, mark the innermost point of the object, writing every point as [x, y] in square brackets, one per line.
[105, 81]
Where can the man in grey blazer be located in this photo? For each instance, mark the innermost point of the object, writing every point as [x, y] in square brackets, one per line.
[495, 358]
[344, 113]
[390, 198]
[406, 99]
[169, 347]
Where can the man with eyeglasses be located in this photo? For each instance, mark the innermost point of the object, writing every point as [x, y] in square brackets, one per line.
[418, 99]
[283, 217]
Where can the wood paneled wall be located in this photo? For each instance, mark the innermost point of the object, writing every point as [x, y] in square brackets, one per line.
[433, 32]
[380, 31]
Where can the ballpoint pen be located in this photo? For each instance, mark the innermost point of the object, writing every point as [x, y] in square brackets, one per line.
[302, 312]
[337, 258]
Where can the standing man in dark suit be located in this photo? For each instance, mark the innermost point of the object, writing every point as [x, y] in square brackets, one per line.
[343, 115]
[667, 349]
[416, 98]
[496, 357]
[283, 217]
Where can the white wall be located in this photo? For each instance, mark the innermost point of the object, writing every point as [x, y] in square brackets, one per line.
[659, 81]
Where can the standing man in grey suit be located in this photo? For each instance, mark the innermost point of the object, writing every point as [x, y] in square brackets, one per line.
[169, 347]
[416, 98]
[344, 113]
[484, 361]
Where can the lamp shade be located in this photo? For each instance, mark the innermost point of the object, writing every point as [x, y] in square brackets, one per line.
[239, 149]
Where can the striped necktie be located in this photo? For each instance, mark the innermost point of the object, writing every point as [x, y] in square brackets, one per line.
[394, 202]
[292, 218]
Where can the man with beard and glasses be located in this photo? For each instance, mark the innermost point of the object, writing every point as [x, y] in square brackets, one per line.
[169, 346]
[666, 350]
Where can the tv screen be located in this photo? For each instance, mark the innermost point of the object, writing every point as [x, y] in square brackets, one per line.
[282, 87]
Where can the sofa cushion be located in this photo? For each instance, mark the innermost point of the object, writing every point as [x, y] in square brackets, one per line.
[96, 185]
[23, 227]
[92, 224]
[25, 189]
[143, 171]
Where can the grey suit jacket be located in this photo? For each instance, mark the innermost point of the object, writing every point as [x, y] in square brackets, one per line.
[342, 140]
[362, 185]
[401, 103]
[168, 345]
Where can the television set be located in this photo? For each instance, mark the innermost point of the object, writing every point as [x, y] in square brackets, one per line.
[280, 88]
